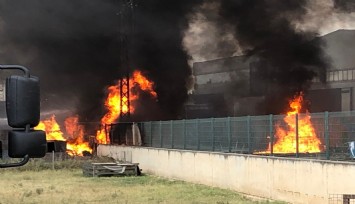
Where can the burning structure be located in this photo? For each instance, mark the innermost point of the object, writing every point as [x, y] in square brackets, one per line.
[278, 52]
[234, 87]
[72, 139]
[113, 103]
[76, 144]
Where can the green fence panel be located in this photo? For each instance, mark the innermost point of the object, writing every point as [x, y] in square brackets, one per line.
[257, 134]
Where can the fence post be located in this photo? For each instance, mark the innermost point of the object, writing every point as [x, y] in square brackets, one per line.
[229, 134]
[184, 126]
[248, 134]
[172, 134]
[198, 133]
[326, 134]
[151, 133]
[212, 133]
[53, 160]
[297, 139]
[271, 132]
[110, 135]
[105, 131]
[160, 134]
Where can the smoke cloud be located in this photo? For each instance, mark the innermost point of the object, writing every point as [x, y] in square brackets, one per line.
[325, 16]
[75, 48]
[208, 35]
[288, 59]
[159, 30]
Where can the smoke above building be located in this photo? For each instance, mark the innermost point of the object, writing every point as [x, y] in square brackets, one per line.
[75, 47]
[281, 37]
[287, 59]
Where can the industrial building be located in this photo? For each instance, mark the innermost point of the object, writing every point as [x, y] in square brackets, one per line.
[230, 87]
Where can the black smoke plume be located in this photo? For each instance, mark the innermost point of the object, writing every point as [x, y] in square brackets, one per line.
[287, 59]
[75, 48]
[345, 5]
[158, 33]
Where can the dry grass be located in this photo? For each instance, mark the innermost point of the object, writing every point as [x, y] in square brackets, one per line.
[70, 186]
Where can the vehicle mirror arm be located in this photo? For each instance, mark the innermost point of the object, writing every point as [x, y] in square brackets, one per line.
[18, 67]
[26, 158]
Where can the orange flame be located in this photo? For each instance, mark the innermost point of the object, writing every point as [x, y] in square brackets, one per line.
[308, 142]
[113, 102]
[143, 83]
[76, 144]
[74, 134]
[52, 129]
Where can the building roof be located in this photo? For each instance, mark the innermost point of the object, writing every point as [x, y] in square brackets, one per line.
[340, 47]
[221, 65]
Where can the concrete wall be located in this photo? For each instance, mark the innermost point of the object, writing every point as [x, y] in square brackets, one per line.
[288, 179]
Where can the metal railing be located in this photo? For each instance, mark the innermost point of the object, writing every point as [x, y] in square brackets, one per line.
[256, 134]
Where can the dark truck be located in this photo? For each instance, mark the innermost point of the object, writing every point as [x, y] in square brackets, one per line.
[23, 114]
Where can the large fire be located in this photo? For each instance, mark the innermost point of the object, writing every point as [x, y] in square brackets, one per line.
[74, 134]
[285, 137]
[76, 143]
[113, 102]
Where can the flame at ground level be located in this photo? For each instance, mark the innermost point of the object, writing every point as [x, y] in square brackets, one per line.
[52, 129]
[74, 134]
[285, 136]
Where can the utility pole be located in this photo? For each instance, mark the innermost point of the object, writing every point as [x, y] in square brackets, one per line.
[126, 31]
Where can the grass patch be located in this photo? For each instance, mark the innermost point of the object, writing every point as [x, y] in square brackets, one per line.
[38, 183]
[68, 163]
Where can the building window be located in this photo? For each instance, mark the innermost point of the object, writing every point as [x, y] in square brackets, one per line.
[350, 75]
[330, 76]
[339, 75]
[336, 76]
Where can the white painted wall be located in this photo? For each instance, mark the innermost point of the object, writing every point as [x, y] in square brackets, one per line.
[288, 179]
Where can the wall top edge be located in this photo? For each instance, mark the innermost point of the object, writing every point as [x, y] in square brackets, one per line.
[235, 154]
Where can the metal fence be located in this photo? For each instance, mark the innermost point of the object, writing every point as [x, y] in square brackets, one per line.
[257, 134]
[341, 199]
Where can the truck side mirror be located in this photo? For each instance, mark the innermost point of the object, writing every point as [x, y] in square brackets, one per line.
[23, 113]
[22, 109]
[22, 101]
[32, 143]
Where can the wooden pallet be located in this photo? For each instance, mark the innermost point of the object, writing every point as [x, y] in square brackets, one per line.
[110, 169]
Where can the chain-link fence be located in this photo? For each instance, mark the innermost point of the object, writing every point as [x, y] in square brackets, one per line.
[328, 135]
[341, 199]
